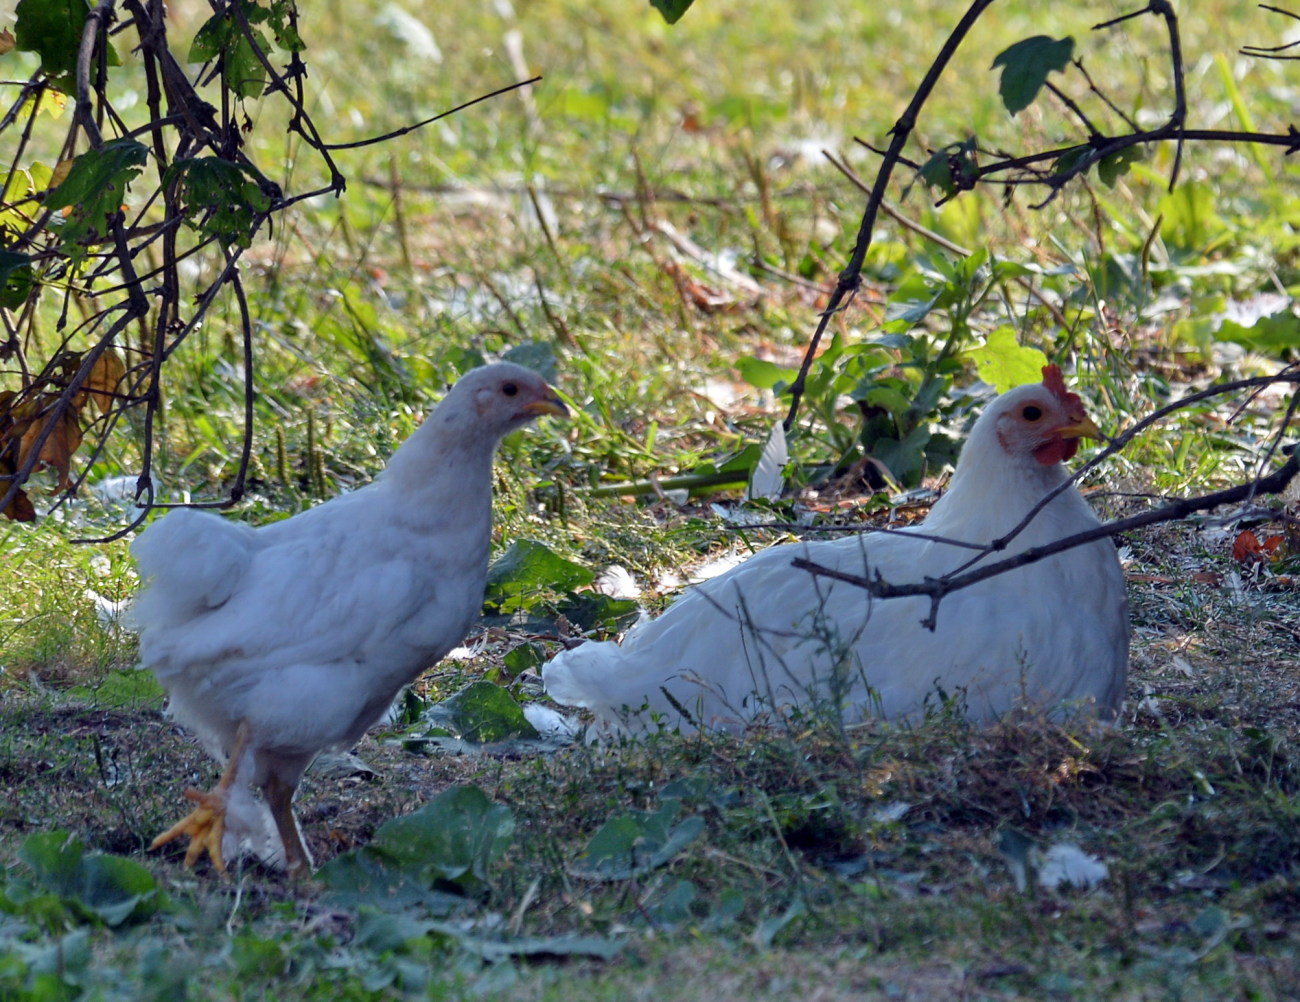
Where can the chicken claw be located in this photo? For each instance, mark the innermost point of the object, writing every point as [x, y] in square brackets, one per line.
[205, 826]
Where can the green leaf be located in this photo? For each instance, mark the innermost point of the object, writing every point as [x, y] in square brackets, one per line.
[902, 315]
[635, 843]
[481, 712]
[494, 950]
[455, 837]
[95, 189]
[769, 928]
[590, 609]
[1003, 362]
[1026, 65]
[1115, 166]
[223, 37]
[672, 10]
[116, 889]
[286, 35]
[16, 279]
[52, 29]
[110, 889]
[1189, 220]
[526, 656]
[951, 169]
[450, 843]
[1270, 335]
[536, 355]
[764, 374]
[1067, 162]
[527, 568]
[225, 197]
[905, 459]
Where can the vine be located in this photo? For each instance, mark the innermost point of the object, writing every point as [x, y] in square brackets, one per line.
[107, 222]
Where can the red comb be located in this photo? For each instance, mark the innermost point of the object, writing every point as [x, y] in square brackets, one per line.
[1055, 382]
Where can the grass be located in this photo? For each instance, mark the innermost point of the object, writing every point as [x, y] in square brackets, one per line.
[872, 864]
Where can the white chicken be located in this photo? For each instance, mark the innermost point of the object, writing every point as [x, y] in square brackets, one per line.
[766, 637]
[276, 643]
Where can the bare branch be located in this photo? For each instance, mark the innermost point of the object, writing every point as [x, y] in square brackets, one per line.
[937, 588]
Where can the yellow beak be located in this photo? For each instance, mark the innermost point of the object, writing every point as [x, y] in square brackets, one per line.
[1085, 427]
[551, 405]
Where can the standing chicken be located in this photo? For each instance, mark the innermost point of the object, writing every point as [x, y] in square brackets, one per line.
[277, 643]
[768, 637]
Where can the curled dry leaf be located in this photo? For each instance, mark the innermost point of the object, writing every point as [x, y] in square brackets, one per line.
[101, 385]
[1248, 548]
[63, 440]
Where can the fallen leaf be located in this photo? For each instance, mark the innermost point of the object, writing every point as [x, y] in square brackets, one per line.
[1245, 546]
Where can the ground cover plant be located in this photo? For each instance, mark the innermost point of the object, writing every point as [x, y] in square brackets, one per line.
[655, 224]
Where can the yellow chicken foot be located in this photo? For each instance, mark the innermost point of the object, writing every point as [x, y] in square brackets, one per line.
[206, 824]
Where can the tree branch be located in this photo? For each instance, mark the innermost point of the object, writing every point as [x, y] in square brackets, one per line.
[937, 588]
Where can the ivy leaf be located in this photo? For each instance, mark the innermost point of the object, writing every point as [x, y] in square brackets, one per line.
[52, 29]
[110, 889]
[15, 279]
[1115, 166]
[529, 567]
[483, 713]
[637, 842]
[226, 196]
[94, 190]
[1025, 66]
[672, 10]
[223, 37]
[951, 169]
[451, 841]
[1004, 363]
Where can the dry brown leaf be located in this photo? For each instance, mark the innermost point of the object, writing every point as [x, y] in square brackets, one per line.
[56, 452]
[60, 173]
[7, 41]
[101, 382]
[20, 509]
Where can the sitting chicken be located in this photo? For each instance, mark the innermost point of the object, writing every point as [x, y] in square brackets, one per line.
[767, 637]
[277, 643]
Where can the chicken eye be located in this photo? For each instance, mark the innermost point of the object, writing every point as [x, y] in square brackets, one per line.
[509, 389]
[1031, 413]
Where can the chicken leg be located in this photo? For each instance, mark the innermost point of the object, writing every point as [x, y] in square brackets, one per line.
[279, 798]
[206, 824]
